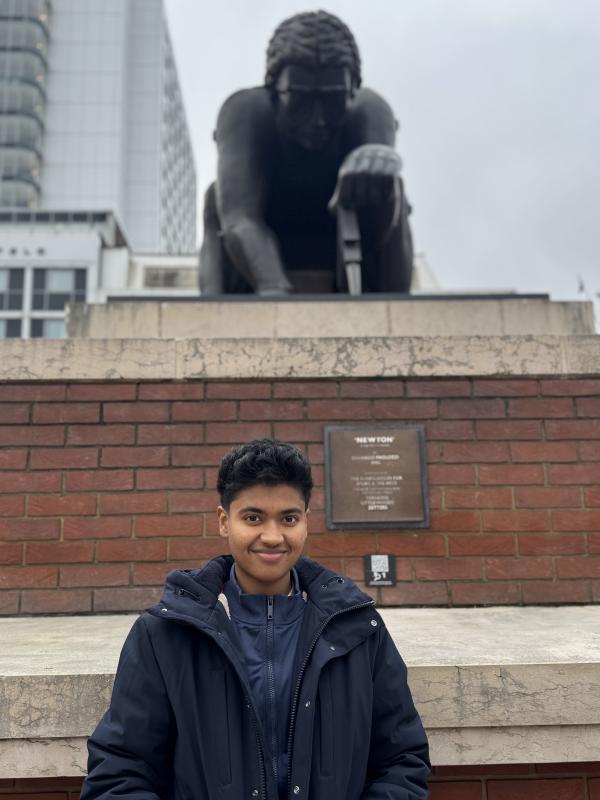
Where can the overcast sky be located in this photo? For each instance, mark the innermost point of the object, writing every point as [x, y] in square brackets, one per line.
[499, 110]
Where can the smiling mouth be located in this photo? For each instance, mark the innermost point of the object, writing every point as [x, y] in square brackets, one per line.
[270, 555]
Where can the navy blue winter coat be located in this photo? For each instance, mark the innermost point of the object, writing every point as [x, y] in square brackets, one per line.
[181, 724]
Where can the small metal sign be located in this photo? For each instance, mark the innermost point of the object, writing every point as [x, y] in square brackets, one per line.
[376, 476]
[380, 570]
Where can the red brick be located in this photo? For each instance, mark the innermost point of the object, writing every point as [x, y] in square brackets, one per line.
[592, 497]
[500, 497]
[37, 795]
[28, 577]
[511, 474]
[543, 451]
[594, 543]
[59, 552]
[198, 549]
[102, 391]
[435, 498]
[29, 435]
[130, 599]
[18, 392]
[132, 550]
[366, 389]
[64, 458]
[184, 456]
[181, 433]
[485, 594]
[72, 505]
[588, 406]
[572, 429]
[77, 601]
[20, 529]
[11, 553]
[434, 452]
[299, 431]
[12, 506]
[574, 473]
[461, 521]
[94, 575]
[546, 497]
[594, 788]
[136, 412]
[567, 386]
[337, 544]
[193, 501]
[188, 478]
[405, 409]
[438, 388]
[271, 409]
[550, 544]
[576, 520]
[236, 433]
[589, 451]
[9, 605]
[449, 430]
[556, 592]
[45, 413]
[133, 503]
[483, 770]
[171, 391]
[316, 454]
[508, 429]
[516, 568]
[14, 413]
[505, 388]
[341, 409]
[304, 389]
[453, 474]
[596, 599]
[238, 391]
[415, 594]
[13, 459]
[472, 409]
[541, 408]
[578, 566]
[200, 411]
[150, 573]
[30, 482]
[461, 453]
[456, 790]
[99, 480]
[102, 528]
[411, 544]
[539, 789]
[135, 456]
[436, 569]
[172, 525]
[100, 434]
[481, 545]
[515, 521]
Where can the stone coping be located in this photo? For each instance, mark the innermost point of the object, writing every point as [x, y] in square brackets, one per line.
[341, 358]
[494, 685]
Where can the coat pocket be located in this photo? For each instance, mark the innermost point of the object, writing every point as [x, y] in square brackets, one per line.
[219, 732]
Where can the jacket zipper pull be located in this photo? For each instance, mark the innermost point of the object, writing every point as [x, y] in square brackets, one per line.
[270, 607]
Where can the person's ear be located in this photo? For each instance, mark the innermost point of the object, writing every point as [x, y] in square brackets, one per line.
[223, 518]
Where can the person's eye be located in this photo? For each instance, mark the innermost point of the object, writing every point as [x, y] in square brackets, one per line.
[291, 519]
[251, 518]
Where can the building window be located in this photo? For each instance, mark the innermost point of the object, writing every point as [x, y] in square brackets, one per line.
[10, 328]
[54, 288]
[11, 289]
[47, 328]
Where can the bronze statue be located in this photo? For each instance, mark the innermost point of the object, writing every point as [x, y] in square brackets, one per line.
[308, 182]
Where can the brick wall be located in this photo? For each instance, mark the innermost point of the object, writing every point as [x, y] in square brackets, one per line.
[106, 487]
[508, 782]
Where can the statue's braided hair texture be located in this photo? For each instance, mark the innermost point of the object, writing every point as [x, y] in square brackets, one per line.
[312, 39]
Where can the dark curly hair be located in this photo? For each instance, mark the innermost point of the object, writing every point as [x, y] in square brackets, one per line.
[263, 461]
[315, 38]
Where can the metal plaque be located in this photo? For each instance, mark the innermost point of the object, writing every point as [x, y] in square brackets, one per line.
[380, 570]
[376, 477]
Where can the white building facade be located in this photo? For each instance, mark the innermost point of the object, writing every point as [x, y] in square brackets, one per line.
[91, 117]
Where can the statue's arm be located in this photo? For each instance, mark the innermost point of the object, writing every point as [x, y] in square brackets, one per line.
[244, 135]
[370, 121]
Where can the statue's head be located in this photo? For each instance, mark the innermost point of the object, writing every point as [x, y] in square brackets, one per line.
[313, 70]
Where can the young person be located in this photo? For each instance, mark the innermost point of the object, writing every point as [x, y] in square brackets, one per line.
[263, 674]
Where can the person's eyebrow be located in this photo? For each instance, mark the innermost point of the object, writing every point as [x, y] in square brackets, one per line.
[251, 508]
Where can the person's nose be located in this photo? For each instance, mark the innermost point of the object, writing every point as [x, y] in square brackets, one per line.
[318, 117]
[271, 534]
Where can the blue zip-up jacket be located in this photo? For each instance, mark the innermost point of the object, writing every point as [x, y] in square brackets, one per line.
[268, 628]
[182, 725]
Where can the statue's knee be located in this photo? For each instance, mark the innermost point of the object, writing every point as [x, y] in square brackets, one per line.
[211, 214]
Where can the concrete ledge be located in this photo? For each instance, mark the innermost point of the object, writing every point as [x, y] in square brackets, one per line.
[260, 319]
[494, 685]
[183, 359]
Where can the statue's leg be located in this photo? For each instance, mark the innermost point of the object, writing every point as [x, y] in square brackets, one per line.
[395, 259]
[216, 275]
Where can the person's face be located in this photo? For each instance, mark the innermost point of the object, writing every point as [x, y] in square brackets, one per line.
[311, 103]
[266, 529]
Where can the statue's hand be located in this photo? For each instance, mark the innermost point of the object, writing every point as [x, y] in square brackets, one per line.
[369, 178]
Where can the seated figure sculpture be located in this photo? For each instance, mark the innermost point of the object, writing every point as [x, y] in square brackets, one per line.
[291, 153]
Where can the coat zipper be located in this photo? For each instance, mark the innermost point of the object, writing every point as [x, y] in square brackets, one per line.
[271, 683]
[299, 681]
